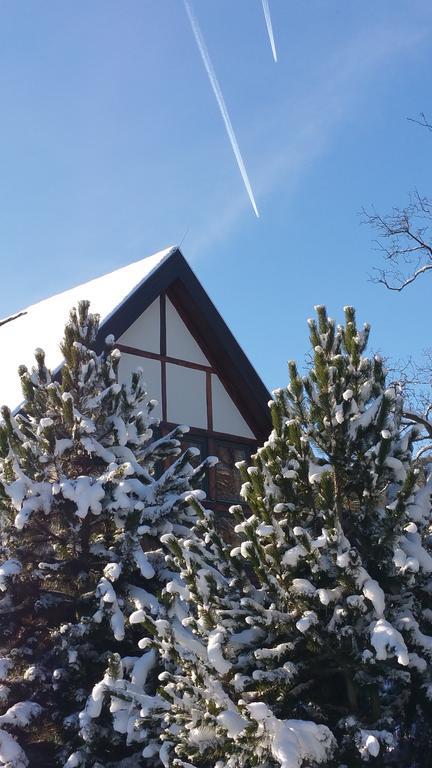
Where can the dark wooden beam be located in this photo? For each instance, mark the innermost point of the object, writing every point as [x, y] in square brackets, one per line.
[216, 435]
[163, 358]
[163, 336]
[209, 401]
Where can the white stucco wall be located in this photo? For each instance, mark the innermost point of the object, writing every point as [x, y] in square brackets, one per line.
[181, 343]
[186, 387]
[186, 396]
[144, 333]
[226, 416]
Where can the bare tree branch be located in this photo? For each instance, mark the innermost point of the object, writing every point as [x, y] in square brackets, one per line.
[404, 237]
[426, 449]
[414, 382]
[418, 419]
[405, 242]
[421, 120]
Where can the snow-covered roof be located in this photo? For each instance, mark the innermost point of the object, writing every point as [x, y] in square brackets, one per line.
[41, 324]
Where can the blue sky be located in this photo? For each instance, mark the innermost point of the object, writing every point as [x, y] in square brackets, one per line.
[112, 147]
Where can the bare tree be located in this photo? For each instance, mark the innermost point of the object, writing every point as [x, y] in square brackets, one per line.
[404, 237]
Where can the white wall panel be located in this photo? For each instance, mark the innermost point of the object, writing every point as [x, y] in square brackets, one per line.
[180, 342]
[144, 333]
[226, 416]
[152, 376]
[186, 396]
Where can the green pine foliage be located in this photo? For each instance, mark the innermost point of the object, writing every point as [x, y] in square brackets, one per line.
[309, 643]
[86, 492]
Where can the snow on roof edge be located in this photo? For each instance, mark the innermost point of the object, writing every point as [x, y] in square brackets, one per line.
[169, 252]
[32, 327]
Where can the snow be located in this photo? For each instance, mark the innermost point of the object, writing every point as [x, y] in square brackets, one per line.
[369, 745]
[7, 569]
[74, 760]
[420, 507]
[20, 337]
[373, 592]
[384, 638]
[11, 754]
[105, 591]
[143, 564]
[112, 571]
[292, 555]
[316, 470]
[415, 552]
[327, 596]
[16, 492]
[20, 714]
[264, 530]
[202, 735]
[85, 493]
[308, 619]
[214, 652]
[398, 468]
[94, 703]
[272, 653]
[246, 637]
[164, 754]
[144, 599]
[294, 741]
[233, 723]
[303, 587]
[365, 419]
[142, 667]
[39, 498]
[184, 638]
[5, 665]
[368, 742]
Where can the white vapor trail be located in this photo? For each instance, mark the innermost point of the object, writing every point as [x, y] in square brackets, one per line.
[266, 9]
[220, 100]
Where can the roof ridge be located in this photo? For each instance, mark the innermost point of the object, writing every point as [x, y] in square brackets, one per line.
[12, 317]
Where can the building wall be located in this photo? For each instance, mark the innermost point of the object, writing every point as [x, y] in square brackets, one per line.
[179, 377]
[189, 391]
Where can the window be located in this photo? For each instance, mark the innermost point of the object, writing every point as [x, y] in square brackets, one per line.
[222, 482]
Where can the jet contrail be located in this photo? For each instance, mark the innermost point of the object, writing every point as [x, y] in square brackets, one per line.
[220, 100]
[266, 9]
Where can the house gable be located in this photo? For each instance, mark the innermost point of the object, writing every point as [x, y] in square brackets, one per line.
[200, 376]
[209, 346]
[187, 387]
[164, 321]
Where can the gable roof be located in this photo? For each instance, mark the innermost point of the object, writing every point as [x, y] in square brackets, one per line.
[120, 297]
[41, 324]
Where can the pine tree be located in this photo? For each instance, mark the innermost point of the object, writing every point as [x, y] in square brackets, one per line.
[310, 642]
[86, 492]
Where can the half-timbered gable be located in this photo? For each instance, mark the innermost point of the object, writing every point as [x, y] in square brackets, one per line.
[163, 321]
